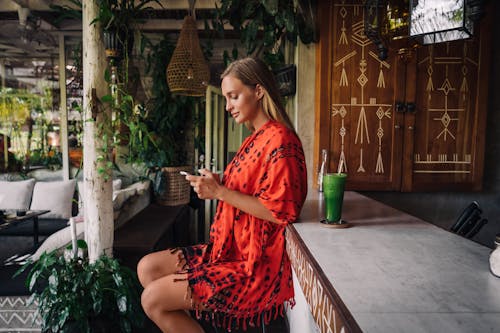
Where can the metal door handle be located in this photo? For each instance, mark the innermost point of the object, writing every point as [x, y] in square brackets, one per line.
[410, 128]
[400, 107]
[410, 107]
[397, 126]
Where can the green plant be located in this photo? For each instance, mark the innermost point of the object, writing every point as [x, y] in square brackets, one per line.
[265, 24]
[50, 159]
[131, 116]
[122, 14]
[73, 295]
[119, 19]
[167, 114]
[22, 111]
[113, 14]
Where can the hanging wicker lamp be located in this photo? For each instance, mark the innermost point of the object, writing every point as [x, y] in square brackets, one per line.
[188, 73]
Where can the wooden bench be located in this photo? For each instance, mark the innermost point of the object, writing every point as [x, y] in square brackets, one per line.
[155, 228]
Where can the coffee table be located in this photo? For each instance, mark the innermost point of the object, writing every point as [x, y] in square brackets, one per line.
[12, 220]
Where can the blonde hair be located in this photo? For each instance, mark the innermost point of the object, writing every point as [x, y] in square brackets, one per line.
[252, 71]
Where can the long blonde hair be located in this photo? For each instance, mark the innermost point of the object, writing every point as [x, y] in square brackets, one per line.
[252, 71]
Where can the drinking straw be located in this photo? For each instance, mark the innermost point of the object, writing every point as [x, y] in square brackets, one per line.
[341, 166]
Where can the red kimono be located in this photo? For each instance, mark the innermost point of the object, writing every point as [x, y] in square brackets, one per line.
[244, 271]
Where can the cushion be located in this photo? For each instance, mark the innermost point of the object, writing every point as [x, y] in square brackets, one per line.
[141, 186]
[121, 196]
[117, 185]
[16, 195]
[12, 177]
[56, 196]
[46, 175]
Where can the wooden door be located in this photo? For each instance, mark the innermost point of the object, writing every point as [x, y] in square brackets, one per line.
[448, 126]
[432, 141]
[363, 131]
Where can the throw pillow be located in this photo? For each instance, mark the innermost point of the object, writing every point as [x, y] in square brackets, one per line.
[16, 195]
[117, 185]
[121, 196]
[56, 196]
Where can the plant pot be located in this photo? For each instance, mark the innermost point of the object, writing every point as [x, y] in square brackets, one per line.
[172, 188]
[114, 44]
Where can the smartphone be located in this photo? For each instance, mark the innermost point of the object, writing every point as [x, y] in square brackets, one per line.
[184, 173]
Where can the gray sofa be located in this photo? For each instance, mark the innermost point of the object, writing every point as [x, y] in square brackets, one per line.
[16, 314]
[45, 189]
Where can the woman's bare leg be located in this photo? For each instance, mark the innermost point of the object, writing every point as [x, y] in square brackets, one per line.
[159, 264]
[165, 301]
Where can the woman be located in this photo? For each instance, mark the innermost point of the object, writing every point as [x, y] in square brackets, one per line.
[244, 271]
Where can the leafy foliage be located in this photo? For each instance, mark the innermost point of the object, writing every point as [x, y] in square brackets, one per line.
[50, 159]
[122, 14]
[74, 295]
[167, 113]
[21, 111]
[264, 25]
[113, 14]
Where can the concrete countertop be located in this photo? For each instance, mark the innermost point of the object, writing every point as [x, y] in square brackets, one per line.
[397, 273]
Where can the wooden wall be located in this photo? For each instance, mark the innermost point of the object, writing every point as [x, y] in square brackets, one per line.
[443, 208]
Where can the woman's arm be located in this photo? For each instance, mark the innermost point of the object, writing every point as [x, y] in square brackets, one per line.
[207, 186]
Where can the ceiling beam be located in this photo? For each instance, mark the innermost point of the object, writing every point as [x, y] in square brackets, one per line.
[41, 4]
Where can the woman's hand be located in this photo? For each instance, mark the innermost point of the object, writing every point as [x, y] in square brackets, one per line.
[206, 186]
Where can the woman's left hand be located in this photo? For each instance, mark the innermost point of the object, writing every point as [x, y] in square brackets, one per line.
[206, 186]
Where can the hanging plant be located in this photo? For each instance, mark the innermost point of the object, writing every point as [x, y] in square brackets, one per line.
[264, 25]
[168, 113]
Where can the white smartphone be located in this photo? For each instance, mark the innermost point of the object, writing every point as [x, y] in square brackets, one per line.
[184, 173]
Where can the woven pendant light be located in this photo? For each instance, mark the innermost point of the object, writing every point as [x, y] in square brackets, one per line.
[188, 73]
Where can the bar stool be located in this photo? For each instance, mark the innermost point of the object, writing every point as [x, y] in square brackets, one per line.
[469, 222]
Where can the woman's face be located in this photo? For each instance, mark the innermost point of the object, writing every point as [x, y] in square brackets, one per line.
[242, 101]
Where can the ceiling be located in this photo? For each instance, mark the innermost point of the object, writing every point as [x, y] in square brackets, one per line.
[30, 33]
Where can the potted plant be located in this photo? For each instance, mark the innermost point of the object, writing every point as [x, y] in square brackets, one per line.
[118, 19]
[167, 122]
[74, 295]
[264, 25]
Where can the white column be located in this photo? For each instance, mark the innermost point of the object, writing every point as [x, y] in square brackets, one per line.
[63, 131]
[98, 205]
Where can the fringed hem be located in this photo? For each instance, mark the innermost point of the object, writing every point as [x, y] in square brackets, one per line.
[228, 320]
[181, 259]
[184, 268]
[233, 321]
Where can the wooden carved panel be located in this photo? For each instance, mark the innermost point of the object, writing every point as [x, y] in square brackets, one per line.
[438, 144]
[448, 139]
[362, 99]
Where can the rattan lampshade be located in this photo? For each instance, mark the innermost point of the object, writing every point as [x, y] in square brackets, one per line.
[187, 72]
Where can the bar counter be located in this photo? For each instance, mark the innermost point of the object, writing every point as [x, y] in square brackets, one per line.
[390, 272]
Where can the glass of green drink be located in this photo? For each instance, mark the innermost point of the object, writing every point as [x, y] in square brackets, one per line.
[333, 192]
